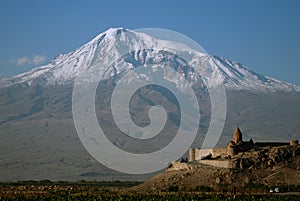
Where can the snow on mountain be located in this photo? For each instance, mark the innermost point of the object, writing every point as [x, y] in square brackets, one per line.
[65, 67]
[238, 77]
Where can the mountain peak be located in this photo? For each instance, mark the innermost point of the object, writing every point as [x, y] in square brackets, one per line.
[110, 33]
[65, 67]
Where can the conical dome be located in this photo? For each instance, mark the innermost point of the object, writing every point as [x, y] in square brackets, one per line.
[237, 136]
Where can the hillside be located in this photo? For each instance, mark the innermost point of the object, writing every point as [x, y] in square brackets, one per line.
[266, 166]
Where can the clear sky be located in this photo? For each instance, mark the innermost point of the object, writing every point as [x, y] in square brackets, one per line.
[264, 35]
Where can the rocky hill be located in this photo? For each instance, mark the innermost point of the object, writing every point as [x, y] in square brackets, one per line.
[269, 166]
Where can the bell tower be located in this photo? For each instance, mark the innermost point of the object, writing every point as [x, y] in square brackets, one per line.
[237, 136]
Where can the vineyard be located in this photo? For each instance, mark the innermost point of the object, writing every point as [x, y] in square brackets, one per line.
[117, 190]
[157, 196]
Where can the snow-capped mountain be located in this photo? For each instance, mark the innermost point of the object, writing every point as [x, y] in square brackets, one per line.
[211, 69]
[36, 115]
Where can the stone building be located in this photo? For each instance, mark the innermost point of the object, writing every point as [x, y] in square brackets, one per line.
[233, 147]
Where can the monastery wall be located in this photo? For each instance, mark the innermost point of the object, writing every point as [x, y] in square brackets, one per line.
[218, 163]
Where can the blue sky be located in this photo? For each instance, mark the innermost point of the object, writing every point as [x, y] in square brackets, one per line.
[263, 35]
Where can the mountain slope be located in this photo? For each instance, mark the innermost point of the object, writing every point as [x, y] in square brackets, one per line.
[38, 139]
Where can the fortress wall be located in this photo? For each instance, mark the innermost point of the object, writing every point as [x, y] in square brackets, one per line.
[217, 163]
[192, 154]
[196, 154]
[219, 152]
